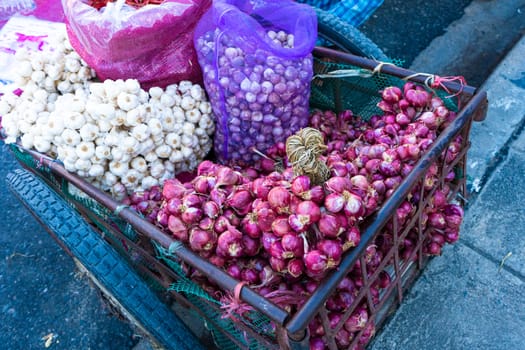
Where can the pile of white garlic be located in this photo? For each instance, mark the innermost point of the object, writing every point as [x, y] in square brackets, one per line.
[118, 136]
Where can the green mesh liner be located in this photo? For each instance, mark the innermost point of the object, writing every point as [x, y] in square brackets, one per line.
[358, 91]
[226, 334]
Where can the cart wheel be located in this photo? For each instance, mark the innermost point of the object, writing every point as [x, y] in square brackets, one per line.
[346, 37]
[106, 267]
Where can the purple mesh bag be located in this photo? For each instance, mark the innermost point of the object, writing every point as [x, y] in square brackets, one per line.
[153, 44]
[256, 59]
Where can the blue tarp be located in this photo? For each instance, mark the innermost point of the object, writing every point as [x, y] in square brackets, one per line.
[354, 12]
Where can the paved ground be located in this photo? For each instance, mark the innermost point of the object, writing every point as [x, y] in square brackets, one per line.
[473, 296]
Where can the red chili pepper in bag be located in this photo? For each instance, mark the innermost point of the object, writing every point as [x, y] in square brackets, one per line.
[98, 4]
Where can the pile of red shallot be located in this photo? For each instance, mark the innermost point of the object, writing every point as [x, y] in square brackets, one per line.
[281, 234]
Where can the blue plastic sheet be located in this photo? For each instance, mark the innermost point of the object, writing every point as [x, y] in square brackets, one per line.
[354, 12]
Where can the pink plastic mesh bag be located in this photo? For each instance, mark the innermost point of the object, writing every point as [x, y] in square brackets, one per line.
[153, 44]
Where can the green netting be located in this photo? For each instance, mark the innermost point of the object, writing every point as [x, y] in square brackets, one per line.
[354, 88]
[226, 333]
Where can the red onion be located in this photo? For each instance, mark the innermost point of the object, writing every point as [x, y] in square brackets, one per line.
[234, 270]
[418, 98]
[338, 169]
[453, 209]
[229, 243]
[250, 275]
[206, 224]
[437, 220]
[299, 223]
[437, 237]
[338, 184]
[268, 277]
[295, 267]
[232, 217]
[216, 260]
[402, 119]
[162, 217]
[265, 219]
[218, 195]
[192, 200]
[300, 185]
[386, 106]
[311, 286]
[451, 236]
[453, 221]
[360, 182]
[240, 201]
[207, 167]
[333, 319]
[178, 228]
[279, 199]
[379, 186]
[250, 226]
[221, 224]
[351, 238]
[267, 239]
[429, 119]
[201, 240]
[277, 251]
[173, 188]
[334, 202]
[278, 264]
[368, 333]
[138, 196]
[191, 215]
[353, 205]
[425, 144]
[226, 177]
[316, 263]
[315, 194]
[267, 165]
[343, 338]
[311, 209]
[251, 246]
[391, 94]
[317, 344]
[211, 209]
[357, 321]
[293, 245]
[384, 279]
[281, 226]
[329, 225]
[340, 301]
[332, 250]
[261, 187]
[433, 249]
[406, 169]
[393, 182]
[142, 206]
[200, 184]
